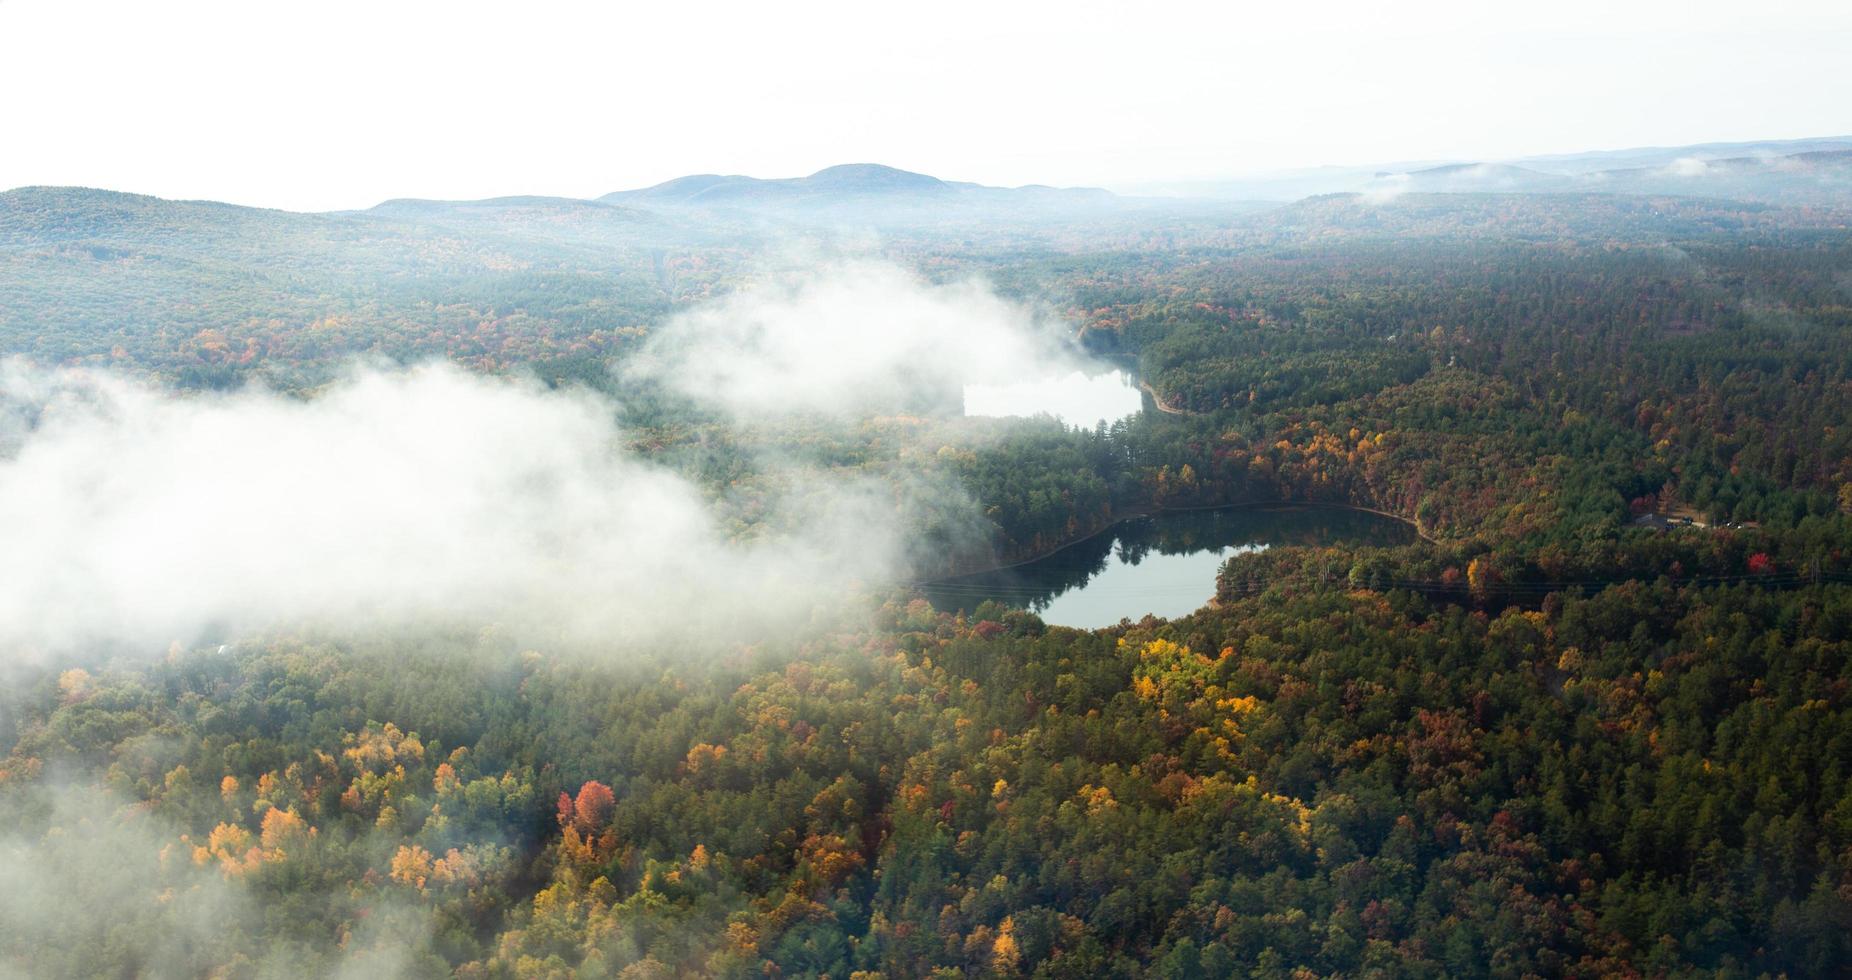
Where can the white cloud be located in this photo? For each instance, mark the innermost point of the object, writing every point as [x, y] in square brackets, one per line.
[850, 337]
[1386, 188]
[132, 515]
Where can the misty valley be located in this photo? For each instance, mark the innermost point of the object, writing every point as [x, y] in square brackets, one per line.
[1429, 571]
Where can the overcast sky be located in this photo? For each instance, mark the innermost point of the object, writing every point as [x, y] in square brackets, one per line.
[341, 104]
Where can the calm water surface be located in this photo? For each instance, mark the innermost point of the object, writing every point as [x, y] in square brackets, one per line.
[1077, 398]
[1164, 565]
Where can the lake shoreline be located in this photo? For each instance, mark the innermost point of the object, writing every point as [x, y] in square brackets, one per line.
[1160, 404]
[1150, 511]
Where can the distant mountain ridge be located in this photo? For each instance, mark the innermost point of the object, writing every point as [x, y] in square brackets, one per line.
[1817, 175]
[211, 291]
[1803, 171]
[1659, 156]
[849, 183]
[1815, 171]
[852, 179]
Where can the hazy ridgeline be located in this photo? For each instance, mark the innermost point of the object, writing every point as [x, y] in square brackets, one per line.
[524, 587]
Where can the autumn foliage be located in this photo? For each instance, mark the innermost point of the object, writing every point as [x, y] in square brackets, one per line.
[589, 811]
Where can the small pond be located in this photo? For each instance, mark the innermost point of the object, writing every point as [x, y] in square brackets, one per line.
[1077, 398]
[1163, 565]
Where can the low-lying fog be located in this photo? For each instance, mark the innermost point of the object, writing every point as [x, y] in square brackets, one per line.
[138, 516]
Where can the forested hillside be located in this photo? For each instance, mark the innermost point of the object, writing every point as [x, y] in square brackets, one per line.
[1560, 735]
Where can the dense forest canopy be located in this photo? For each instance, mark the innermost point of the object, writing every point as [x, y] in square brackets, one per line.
[1594, 722]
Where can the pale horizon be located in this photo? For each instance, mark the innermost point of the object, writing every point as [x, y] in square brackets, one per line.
[1156, 187]
[342, 106]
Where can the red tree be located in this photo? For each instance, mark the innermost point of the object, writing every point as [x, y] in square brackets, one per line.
[592, 810]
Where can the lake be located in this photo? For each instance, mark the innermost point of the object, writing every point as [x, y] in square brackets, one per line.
[1163, 565]
[1077, 398]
